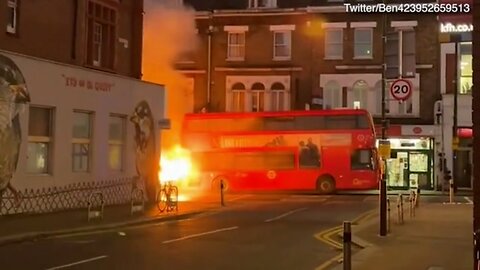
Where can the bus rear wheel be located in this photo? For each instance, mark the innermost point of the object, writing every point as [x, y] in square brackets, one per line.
[325, 185]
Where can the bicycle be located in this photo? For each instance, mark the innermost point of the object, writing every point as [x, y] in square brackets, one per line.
[167, 198]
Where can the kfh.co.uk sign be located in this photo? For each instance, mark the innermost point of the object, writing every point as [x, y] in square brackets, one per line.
[455, 28]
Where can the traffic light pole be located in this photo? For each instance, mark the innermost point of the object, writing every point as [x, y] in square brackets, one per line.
[383, 181]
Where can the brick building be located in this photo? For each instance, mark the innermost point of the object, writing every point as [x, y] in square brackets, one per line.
[292, 55]
[80, 62]
[99, 34]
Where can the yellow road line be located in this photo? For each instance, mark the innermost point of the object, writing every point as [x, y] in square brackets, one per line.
[328, 263]
[325, 237]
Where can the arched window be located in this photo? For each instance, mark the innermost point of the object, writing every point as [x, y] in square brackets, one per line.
[360, 94]
[238, 97]
[278, 96]
[258, 97]
[332, 95]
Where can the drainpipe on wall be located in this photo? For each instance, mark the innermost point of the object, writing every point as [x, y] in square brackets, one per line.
[209, 63]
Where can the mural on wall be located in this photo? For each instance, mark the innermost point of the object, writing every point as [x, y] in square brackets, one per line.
[146, 160]
[13, 98]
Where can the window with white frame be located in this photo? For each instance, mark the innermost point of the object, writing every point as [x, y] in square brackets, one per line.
[359, 92]
[238, 97]
[282, 48]
[40, 140]
[12, 21]
[262, 3]
[332, 95]
[236, 46]
[258, 97]
[277, 97]
[81, 141]
[334, 43]
[116, 142]
[363, 39]
[97, 44]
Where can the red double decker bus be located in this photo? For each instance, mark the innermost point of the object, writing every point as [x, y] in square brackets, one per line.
[322, 150]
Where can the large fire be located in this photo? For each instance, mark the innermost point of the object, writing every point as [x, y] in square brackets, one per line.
[175, 165]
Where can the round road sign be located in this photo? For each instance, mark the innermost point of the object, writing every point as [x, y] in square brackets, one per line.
[401, 89]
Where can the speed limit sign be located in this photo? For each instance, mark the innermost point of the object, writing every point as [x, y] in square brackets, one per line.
[401, 89]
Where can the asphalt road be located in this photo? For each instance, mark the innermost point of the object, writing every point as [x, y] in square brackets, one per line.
[258, 232]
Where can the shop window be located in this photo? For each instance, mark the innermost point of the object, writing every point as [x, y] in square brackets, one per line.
[362, 159]
[81, 142]
[40, 140]
[465, 68]
[101, 35]
[116, 142]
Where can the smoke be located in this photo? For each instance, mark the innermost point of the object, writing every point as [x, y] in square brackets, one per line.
[169, 32]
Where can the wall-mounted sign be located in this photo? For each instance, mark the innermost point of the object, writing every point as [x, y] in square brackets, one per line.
[76, 82]
[455, 28]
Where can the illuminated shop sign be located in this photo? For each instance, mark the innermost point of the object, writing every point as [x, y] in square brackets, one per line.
[455, 28]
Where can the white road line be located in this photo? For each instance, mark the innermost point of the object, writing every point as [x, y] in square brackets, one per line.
[311, 196]
[77, 263]
[200, 234]
[303, 200]
[468, 200]
[285, 214]
[240, 197]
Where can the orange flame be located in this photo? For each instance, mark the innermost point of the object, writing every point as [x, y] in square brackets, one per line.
[175, 165]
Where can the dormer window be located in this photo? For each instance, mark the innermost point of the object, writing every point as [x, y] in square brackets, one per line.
[262, 3]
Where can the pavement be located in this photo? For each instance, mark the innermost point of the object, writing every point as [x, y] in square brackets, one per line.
[253, 231]
[19, 228]
[437, 237]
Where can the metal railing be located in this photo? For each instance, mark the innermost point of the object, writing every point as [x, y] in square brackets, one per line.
[96, 205]
[69, 197]
[137, 203]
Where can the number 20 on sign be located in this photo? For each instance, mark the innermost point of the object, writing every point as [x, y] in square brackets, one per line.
[401, 89]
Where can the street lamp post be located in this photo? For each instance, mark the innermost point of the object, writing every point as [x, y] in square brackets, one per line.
[383, 182]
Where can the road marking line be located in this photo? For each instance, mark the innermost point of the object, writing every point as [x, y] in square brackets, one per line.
[240, 197]
[285, 214]
[79, 262]
[200, 234]
[327, 264]
[311, 196]
[303, 199]
[468, 200]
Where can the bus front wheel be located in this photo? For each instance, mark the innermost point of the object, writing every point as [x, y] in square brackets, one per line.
[325, 185]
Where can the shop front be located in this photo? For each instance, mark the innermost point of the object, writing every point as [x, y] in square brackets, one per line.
[411, 164]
